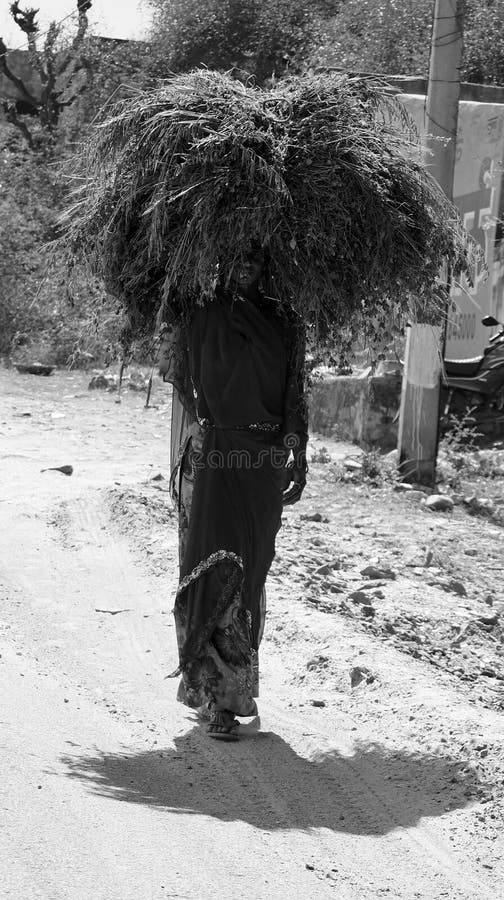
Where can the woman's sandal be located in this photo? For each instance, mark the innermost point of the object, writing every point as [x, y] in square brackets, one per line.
[223, 726]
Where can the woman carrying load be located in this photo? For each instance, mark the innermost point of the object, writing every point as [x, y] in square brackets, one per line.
[239, 435]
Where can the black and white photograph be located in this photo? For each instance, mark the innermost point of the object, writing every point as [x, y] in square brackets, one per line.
[252, 450]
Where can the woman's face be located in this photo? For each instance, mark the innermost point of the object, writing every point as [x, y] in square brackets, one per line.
[250, 270]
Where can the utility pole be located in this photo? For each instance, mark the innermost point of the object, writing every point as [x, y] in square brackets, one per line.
[419, 414]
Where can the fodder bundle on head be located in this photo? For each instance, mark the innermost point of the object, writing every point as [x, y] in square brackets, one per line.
[176, 184]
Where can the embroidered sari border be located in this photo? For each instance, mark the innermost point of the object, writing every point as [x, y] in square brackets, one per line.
[207, 564]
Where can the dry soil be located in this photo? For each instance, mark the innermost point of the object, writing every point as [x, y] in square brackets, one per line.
[376, 767]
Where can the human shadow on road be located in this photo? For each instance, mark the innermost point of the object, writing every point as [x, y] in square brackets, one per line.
[264, 782]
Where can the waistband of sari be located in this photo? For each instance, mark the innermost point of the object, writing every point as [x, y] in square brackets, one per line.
[266, 427]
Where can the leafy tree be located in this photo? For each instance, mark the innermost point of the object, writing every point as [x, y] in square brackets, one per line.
[41, 316]
[484, 42]
[393, 37]
[263, 37]
[35, 316]
[383, 36]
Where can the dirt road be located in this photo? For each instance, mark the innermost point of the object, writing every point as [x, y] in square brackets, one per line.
[109, 788]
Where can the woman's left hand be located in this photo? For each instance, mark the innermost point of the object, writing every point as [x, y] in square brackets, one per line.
[298, 482]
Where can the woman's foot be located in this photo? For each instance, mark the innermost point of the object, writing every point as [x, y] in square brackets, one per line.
[223, 726]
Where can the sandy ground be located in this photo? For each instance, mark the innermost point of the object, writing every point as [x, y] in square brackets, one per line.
[377, 765]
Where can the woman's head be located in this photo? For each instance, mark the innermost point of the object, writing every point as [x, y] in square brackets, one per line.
[251, 268]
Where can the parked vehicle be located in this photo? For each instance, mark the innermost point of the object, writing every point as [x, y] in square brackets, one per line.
[476, 383]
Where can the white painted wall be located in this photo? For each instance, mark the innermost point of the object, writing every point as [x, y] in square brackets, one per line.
[477, 193]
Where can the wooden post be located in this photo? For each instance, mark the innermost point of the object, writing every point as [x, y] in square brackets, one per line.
[419, 415]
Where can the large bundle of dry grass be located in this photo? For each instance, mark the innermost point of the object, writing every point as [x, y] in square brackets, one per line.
[324, 171]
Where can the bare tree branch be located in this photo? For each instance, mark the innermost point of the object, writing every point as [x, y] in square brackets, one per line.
[24, 18]
[9, 108]
[71, 55]
[50, 109]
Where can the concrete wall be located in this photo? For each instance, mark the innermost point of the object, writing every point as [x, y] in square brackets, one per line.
[352, 408]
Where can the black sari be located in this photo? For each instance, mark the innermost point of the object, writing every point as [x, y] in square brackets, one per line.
[246, 397]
